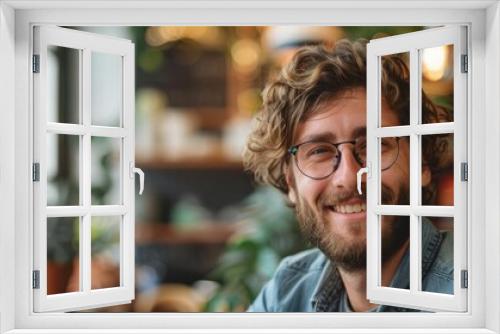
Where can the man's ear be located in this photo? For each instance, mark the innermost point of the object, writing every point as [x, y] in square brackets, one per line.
[426, 175]
[292, 195]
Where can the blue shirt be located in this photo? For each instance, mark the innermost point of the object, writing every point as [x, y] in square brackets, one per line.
[309, 282]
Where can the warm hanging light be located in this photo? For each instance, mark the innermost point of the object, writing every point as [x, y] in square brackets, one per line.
[246, 55]
[434, 62]
[153, 37]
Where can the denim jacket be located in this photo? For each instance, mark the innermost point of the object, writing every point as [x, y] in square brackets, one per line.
[309, 282]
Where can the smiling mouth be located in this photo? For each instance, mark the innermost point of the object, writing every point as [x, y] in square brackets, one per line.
[348, 208]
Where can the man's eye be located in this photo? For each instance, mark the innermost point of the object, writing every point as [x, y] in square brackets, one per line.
[387, 144]
[360, 143]
[320, 151]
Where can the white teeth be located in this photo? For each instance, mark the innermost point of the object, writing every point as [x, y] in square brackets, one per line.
[350, 208]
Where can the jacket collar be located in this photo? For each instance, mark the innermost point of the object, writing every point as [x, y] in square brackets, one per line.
[327, 293]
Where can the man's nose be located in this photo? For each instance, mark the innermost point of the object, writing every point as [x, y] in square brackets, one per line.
[345, 175]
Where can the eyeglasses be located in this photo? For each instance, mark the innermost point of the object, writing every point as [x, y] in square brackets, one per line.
[320, 159]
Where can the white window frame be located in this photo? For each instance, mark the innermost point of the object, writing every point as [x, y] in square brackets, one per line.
[85, 43]
[483, 18]
[413, 44]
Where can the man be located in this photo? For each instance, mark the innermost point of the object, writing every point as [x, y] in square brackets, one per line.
[309, 142]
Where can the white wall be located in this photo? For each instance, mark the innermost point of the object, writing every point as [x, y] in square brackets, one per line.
[7, 185]
[492, 206]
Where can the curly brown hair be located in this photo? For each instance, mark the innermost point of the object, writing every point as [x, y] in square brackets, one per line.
[315, 75]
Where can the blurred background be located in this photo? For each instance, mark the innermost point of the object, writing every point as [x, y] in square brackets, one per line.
[207, 237]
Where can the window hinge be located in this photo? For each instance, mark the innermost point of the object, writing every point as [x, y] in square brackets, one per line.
[36, 63]
[465, 279]
[464, 171]
[36, 172]
[36, 279]
[465, 65]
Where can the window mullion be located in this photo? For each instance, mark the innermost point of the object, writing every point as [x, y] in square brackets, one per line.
[415, 163]
[372, 188]
[85, 242]
[65, 211]
[420, 210]
[420, 129]
[109, 132]
[127, 182]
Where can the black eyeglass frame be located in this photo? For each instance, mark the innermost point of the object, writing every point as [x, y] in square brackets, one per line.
[295, 148]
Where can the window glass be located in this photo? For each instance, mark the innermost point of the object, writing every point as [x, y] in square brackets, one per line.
[106, 170]
[63, 242]
[107, 89]
[394, 163]
[438, 284]
[63, 170]
[437, 169]
[393, 97]
[106, 251]
[437, 83]
[395, 245]
[63, 103]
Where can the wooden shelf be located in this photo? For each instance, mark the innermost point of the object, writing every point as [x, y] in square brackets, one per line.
[207, 233]
[208, 162]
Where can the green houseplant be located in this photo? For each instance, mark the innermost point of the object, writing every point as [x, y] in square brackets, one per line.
[269, 232]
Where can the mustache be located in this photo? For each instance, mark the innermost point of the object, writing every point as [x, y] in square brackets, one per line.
[337, 197]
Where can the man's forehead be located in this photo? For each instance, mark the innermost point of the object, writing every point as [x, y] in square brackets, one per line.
[340, 119]
[333, 137]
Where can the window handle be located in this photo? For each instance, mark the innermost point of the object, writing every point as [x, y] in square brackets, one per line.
[359, 175]
[134, 170]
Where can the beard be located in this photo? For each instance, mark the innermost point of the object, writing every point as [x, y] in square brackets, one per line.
[351, 255]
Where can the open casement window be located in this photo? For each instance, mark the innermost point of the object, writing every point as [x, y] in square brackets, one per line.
[417, 130]
[83, 167]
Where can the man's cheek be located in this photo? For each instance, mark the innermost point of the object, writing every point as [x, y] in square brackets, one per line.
[309, 192]
[388, 192]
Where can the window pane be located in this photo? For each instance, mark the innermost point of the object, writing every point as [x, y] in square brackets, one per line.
[106, 170]
[437, 170]
[63, 70]
[105, 252]
[394, 164]
[62, 255]
[107, 86]
[395, 89]
[395, 256]
[63, 169]
[439, 278]
[437, 84]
